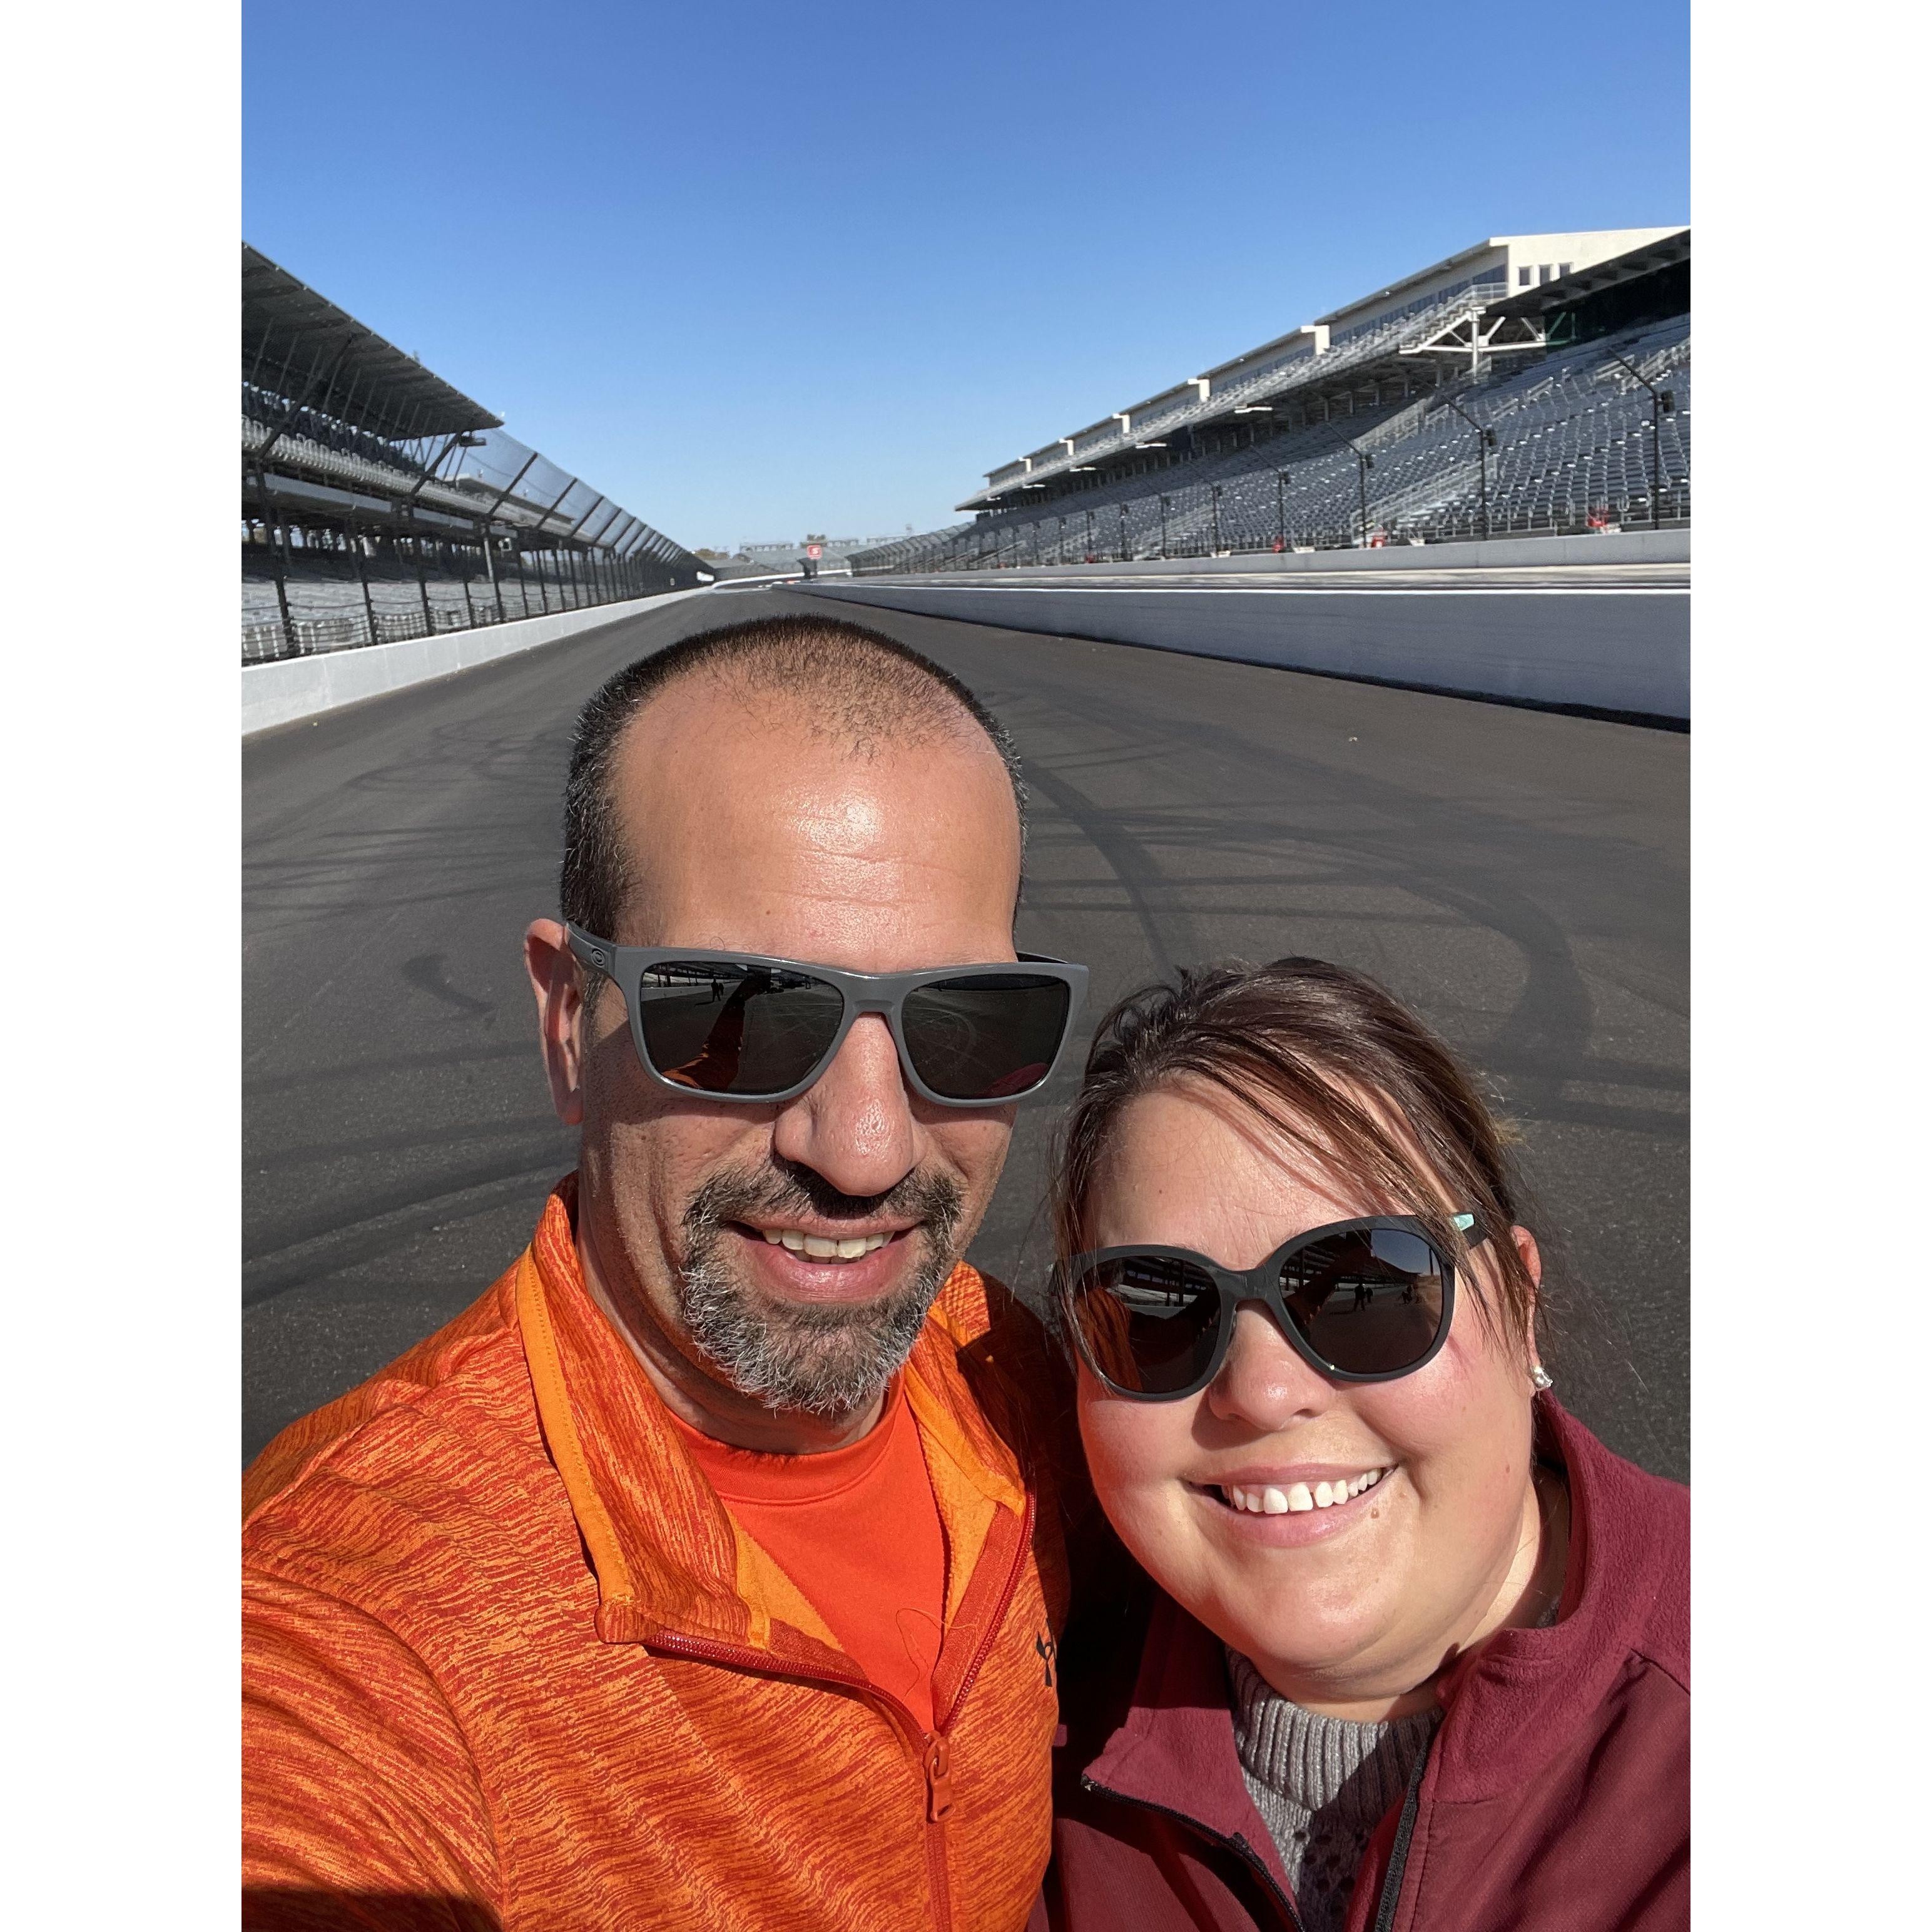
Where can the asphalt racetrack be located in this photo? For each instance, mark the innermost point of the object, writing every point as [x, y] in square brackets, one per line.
[1521, 877]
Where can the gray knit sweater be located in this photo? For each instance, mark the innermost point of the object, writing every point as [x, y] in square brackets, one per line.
[1321, 1784]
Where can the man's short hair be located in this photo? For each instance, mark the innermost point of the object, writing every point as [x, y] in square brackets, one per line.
[868, 686]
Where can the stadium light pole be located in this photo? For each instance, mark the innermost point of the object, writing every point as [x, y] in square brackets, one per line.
[1485, 441]
[1660, 400]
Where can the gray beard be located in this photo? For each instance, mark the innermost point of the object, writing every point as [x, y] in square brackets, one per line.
[826, 1359]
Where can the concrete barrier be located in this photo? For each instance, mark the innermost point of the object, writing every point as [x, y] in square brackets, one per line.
[1609, 647]
[293, 688]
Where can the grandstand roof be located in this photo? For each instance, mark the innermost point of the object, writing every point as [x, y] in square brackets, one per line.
[1665, 253]
[296, 341]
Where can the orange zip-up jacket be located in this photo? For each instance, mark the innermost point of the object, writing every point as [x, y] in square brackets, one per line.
[508, 1661]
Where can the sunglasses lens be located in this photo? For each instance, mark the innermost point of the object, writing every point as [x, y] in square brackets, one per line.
[1149, 1323]
[721, 1027]
[1369, 1302]
[988, 1036]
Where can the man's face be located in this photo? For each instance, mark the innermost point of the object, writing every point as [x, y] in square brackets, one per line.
[752, 829]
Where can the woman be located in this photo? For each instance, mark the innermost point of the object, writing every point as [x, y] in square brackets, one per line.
[1416, 1651]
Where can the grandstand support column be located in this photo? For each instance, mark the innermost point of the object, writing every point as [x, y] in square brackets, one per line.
[469, 608]
[362, 578]
[523, 585]
[268, 497]
[485, 538]
[1281, 509]
[1123, 533]
[1163, 528]
[422, 572]
[1217, 504]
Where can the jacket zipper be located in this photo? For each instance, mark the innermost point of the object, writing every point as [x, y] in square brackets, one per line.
[1238, 1845]
[1000, 1609]
[1405, 1832]
[933, 1749]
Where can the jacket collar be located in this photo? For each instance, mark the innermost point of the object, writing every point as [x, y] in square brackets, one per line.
[670, 1561]
[1175, 1750]
[1509, 1706]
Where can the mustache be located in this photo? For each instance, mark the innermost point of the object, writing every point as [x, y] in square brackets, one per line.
[931, 1197]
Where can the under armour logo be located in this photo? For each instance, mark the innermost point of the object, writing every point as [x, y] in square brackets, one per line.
[1048, 1650]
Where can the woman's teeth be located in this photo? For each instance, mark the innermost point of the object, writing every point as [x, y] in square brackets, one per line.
[823, 1247]
[1264, 1499]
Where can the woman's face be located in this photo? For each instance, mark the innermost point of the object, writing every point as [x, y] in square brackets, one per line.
[1367, 1598]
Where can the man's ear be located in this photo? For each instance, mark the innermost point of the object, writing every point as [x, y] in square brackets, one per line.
[557, 982]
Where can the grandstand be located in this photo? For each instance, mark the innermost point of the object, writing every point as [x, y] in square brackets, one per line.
[379, 503]
[1531, 384]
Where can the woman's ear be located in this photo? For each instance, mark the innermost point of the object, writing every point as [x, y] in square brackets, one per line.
[1532, 1262]
[1532, 1257]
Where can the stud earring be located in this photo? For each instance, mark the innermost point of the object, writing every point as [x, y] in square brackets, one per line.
[1540, 1378]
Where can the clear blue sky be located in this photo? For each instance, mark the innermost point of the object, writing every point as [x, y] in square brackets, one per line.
[752, 269]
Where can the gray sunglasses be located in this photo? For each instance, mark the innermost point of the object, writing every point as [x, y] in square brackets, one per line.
[740, 1026]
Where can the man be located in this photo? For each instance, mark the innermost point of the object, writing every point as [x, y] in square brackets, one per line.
[708, 1571]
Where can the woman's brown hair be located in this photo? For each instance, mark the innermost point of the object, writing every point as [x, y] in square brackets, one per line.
[1313, 1050]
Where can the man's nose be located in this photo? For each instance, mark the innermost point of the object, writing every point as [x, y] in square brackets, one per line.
[854, 1125]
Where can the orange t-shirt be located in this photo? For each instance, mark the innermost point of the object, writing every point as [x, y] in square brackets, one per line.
[858, 1531]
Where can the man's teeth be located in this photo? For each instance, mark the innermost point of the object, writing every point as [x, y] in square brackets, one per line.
[823, 1247]
[1264, 1499]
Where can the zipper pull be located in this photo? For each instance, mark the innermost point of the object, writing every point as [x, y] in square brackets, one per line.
[938, 1780]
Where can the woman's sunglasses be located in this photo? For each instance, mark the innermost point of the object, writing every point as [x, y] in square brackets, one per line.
[738, 1026]
[1361, 1301]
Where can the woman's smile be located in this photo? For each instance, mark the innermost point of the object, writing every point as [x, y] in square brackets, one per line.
[1290, 1504]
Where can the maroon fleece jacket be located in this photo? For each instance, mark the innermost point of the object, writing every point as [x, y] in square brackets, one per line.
[1555, 1796]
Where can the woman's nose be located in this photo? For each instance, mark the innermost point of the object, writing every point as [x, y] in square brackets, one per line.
[1263, 1381]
